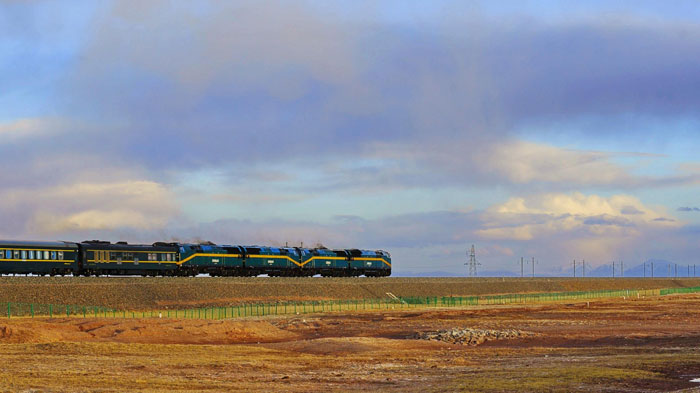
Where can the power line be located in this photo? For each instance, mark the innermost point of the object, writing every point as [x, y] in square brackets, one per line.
[472, 262]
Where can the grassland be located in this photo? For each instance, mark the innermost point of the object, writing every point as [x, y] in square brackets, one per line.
[177, 292]
[607, 345]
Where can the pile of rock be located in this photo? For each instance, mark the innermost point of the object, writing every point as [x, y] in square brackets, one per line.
[467, 336]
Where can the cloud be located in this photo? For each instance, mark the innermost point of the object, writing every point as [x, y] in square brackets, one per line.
[688, 209]
[523, 162]
[83, 207]
[581, 216]
[630, 210]
[30, 128]
[553, 227]
[233, 80]
[359, 104]
[508, 162]
[281, 100]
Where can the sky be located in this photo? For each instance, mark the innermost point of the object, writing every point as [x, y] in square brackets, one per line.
[546, 129]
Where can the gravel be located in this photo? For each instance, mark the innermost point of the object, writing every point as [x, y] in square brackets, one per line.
[467, 336]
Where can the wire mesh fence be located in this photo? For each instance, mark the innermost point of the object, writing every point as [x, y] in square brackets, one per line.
[323, 306]
[670, 291]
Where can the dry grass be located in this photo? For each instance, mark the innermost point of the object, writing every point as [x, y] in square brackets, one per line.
[178, 292]
[635, 345]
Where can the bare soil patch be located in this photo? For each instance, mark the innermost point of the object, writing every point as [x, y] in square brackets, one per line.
[631, 345]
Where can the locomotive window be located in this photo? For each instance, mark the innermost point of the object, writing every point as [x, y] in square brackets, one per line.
[8, 254]
[30, 254]
[60, 255]
[24, 254]
[112, 256]
[53, 254]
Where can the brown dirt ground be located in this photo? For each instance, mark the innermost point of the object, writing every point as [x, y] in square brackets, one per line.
[616, 345]
[136, 293]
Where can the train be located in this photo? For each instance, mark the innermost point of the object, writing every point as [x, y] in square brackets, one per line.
[104, 258]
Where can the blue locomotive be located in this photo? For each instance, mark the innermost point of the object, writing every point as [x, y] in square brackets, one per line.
[95, 258]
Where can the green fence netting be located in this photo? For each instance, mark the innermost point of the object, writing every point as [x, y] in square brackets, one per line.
[322, 306]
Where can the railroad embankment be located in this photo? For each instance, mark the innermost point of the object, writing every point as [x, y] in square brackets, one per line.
[178, 292]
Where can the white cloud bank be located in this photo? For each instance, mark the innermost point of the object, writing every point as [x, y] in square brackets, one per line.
[59, 210]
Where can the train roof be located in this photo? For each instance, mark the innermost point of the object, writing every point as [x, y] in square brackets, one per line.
[100, 245]
[29, 243]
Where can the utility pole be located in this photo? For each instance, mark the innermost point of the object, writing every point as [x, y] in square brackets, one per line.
[522, 269]
[613, 264]
[622, 269]
[574, 268]
[533, 266]
[645, 270]
[652, 270]
[668, 274]
[472, 262]
[584, 268]
[675, 270]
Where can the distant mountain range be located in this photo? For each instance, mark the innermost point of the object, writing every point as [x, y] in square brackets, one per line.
[662, 268]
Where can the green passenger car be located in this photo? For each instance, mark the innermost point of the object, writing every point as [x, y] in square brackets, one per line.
[41, 258]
